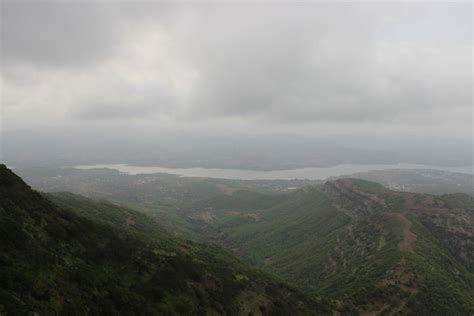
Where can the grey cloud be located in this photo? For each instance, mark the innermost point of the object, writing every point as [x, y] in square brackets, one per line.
[279, 62]
[57, 33]
[127, 103]
[318, 68]
[100, 111]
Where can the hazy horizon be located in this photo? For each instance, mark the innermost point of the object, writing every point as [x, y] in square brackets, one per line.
[324, 83]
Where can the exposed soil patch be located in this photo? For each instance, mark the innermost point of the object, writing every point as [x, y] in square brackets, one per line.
[130, 221]
[409, 239]
[206, 216]
[267, 261]
[227, 190]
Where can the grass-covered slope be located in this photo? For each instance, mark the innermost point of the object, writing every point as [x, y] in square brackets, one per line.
[387, 252]
[84, 257]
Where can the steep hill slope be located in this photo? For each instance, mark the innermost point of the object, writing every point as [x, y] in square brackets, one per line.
[386, 251]
[76, 261]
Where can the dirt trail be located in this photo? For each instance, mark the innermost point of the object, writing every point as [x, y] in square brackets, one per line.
[409, 239]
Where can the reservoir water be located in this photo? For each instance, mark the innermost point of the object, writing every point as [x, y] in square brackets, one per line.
[312, 173]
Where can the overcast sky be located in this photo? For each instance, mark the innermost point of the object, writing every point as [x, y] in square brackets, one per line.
[403, 66]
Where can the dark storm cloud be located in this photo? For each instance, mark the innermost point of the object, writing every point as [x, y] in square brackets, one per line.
[280, 62]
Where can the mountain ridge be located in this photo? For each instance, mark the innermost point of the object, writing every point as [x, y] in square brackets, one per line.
[55, 261]
[383, 250]
[361, 247]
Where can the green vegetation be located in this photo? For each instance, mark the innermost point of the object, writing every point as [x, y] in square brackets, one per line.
[95, 258]
[355, 245]
[356, 241]
[459, 200]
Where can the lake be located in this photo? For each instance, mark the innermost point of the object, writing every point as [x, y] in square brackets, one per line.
[303, 173]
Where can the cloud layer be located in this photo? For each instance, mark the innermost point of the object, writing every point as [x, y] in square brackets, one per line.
[280, 63]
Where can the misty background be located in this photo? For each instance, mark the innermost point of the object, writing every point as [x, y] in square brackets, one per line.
[251, 85]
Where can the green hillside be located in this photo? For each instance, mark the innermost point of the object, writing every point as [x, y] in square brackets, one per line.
[81, 257]
[380, 251]
[385, 251]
